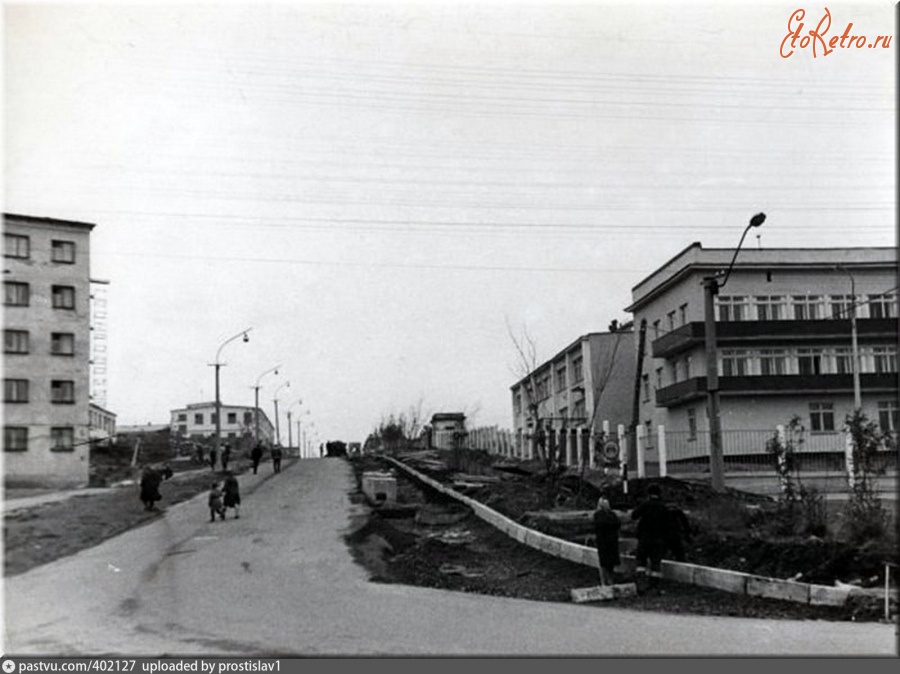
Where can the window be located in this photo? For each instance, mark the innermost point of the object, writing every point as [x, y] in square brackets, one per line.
[62, 391]
[670, 317]
[248, 418]
[561, 378]
[182, 428]
[806, 307]
[15, 341]
[15, 294]
[182, 417]
[772, 362]
[682, 314]
[16, 245]
[63, 297]
[232, 417]
[656, 329]
[882, 306]
[645, 385]
[885, 359]
[809, 361]
[692, 423]
[198, 419]
[659, 378]
[841, 306]
[732, 308]
[62, 439]
[15, 438]
[821, 417]
[769, 308]
[62, 344]
[888, 415]
[15, 390]
[62, 251]
[213, 418]
[577, 369]
[517, 402]
[735, 363]
[578, 409]
[564, 412]
[843, 361]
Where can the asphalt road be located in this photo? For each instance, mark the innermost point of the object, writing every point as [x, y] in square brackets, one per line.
[280, 581]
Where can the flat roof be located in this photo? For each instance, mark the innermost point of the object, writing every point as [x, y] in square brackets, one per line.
[48, 221]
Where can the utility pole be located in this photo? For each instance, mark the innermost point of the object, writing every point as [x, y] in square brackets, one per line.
[857, 389]
[711, 287]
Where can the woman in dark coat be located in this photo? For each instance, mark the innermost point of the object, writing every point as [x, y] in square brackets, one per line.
[150, 480]
[232, 494]
[606, 528]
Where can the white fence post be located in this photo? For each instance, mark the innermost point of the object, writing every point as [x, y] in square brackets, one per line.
[661, 435]
[639, 446]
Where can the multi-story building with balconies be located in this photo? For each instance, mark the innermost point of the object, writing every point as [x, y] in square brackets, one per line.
[46, 351]
[784, 338]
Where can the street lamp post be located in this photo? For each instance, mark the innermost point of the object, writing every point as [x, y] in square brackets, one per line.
[857, 390]
[275, 400]
[256, 399]
[290, 437]
[217, 365]
[711, 287]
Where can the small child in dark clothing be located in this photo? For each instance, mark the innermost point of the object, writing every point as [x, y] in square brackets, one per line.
[216, 506]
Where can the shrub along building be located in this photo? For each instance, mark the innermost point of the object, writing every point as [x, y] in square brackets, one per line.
[46, 351]
[575, 402]
[785, 348]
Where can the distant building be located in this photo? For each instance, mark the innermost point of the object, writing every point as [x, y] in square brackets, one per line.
[46, 351]
[198, 421]
[588, 382]
[784, 341]
[101, 425]
[446, 428]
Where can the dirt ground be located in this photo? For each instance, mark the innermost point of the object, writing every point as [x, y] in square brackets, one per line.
[401, 545]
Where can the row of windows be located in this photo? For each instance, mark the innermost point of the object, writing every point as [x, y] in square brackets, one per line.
[18, 294]
[19, 246]
[542, 384]
[15, 438]
[19, 341]
[231, 418]
[62, 391]
[802, 307]
[821, 417]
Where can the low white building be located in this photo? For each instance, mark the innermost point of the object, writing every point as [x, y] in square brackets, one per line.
[198, 421]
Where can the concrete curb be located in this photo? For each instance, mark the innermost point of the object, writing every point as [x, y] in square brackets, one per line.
[682, 572]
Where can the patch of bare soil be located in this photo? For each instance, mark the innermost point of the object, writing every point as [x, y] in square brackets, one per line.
[471, 556]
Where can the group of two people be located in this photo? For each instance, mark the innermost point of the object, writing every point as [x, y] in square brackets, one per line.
[229, 496]
[257, 453]
[659, 532]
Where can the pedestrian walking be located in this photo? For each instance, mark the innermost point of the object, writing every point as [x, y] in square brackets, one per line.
[216, 505]
[226, 456]
[213, 455]
[256, 456]
[653, 521]
[150, 480]
[276, 458]
[678, 532]
[606, 530]
[232, 494]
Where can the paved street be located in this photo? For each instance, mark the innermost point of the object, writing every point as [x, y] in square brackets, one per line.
[280, 581]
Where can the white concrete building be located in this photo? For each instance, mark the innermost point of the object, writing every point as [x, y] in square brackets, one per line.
[198, 421]
[46, 351]
[784, 343]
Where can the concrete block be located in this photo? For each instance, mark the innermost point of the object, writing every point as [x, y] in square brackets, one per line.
[823, 595]
[380, 487]
[775, 588]
[603, 592]
[589, 557]
[570, 551]
[680, 572]
[721, 579]
[534, 539]
[551, 546]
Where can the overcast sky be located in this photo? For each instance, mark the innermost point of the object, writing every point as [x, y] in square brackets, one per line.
[379, 190]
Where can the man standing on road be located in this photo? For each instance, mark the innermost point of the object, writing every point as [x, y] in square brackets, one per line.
[652, 532]
[606, 529]
[256, 456]
[276, 458]
[226, 456]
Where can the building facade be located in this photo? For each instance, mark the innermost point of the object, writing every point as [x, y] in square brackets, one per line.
[589, 382]
[198, 421]
[784, 341]
[448, 430]
[46, 351]
[101, 424]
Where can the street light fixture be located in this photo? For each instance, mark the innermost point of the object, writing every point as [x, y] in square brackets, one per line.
[217, 365]
[857, 389]
[711, 287]
[275, 400]
[256, 399]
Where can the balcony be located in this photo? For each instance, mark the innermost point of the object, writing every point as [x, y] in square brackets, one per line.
[788, 384]
[746, 333]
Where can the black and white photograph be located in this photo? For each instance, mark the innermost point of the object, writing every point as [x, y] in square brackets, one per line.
[427, 329]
